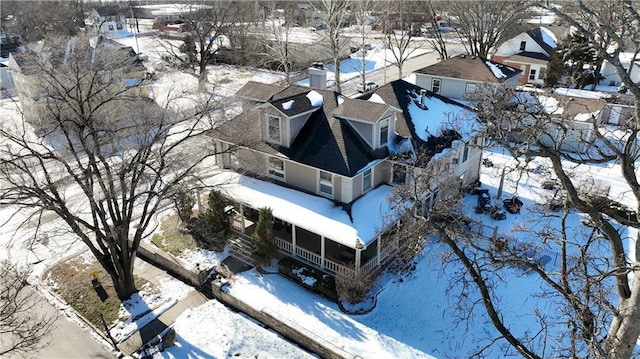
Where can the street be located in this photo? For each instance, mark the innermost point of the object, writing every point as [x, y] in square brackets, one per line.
[67, 339]
[390, 73]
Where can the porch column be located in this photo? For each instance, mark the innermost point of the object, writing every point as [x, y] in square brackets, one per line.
[241, 218]
[378, 249]
[322, 252]
[358, 255]
[293, 238]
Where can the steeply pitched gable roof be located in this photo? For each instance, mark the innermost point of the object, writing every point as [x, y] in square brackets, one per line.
[362, 110]
[405, 95]
[293, 105]
[324, 142]
[471, 68]
[543, 37]
[258, 91]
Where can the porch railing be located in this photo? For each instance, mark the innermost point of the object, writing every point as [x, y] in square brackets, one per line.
[333, 266]
[369, 266]
[309, 256]
[284, 245]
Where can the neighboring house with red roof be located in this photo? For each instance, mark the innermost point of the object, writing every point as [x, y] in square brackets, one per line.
[530, 52]
[326, 165]
[461, 76]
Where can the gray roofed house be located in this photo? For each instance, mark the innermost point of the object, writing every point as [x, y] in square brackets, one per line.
[345, 153]
[460, 76]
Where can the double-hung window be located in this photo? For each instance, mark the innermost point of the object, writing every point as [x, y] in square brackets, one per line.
[435, 85]
[532, 74]
[470, 88]
[326, 183]
[384, 132]
[273, 122]
[275, 167]
[366, 180]
[399, 175]
[465, 153]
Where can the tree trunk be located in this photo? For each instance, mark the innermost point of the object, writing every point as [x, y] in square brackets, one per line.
[625, 327]
[125, 286]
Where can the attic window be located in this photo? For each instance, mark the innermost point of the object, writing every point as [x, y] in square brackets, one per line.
[276, 168]
[470, 88]
[523, 45]
[384, 132]
[274, 129]
[326, 183]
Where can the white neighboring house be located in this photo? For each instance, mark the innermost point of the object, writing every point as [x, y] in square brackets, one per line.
[610, 75]
[108, 20]
[530, 52]
[568, 120]
[461, 76]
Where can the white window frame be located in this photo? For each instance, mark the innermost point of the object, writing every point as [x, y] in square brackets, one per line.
[384, 124]
[275, 171]
[434, 86]
[325, 183]
[368, 173]
[234, 159]
[465, 153]
[532, 74]
[269, 134]
[523, 45]
[393, 173]
[471, 87]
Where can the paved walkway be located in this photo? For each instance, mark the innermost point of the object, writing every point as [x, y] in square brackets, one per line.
[158, 325]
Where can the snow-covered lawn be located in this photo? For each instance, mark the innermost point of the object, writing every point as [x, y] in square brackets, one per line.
[414, 315]
[213, 331]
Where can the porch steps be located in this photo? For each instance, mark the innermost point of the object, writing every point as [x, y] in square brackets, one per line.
[241, 249]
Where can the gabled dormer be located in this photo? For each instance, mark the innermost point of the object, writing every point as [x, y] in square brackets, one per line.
[281, 120]
[373, 122]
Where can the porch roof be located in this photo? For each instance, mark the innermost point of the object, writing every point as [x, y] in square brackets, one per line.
[370, 212]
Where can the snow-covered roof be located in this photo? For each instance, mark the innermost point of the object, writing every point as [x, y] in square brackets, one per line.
[438, 116]
[496, 71]
[313, 213]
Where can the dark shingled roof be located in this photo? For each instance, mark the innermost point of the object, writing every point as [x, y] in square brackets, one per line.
[258, 91]
[536, 35]
[363, 110]
[533, 55]
[324, 142]
[398, 94]
[293, 105]
[471, 68]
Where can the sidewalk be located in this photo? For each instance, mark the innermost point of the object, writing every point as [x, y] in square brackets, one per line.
[158, 325]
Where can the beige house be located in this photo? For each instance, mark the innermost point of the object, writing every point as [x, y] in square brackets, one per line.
[327, 164]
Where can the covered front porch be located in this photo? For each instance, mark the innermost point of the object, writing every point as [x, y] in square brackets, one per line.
[314, 230]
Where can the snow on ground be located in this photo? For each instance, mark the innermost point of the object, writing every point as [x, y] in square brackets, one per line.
[212, 331]
[413, 316]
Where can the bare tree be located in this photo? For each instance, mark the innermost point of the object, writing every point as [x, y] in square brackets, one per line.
[362, 12]
[401, 41]
[334, 15]
[278, 45]
[105, 160]
[206, 25]
[21, 330]
[435, 38]
[35, 20]
[595, 293]
[485, 24]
